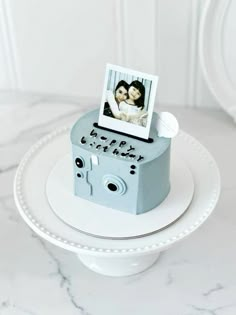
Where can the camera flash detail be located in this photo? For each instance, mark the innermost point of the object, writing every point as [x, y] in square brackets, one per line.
[94, 159]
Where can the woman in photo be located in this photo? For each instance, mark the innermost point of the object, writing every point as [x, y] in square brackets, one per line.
[120, 95]
[132, 108]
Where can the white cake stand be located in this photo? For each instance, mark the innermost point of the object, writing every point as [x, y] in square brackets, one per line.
[107, 255]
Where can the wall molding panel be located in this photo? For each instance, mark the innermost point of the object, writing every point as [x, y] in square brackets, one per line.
[120, 44]
[217, 55]
[139, 35]
[9, 72]
[192, 77]
[55, 48]
[5, 75]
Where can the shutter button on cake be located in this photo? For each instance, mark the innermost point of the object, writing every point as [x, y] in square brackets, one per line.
[80, 175]
[133, 167]
[79, 162]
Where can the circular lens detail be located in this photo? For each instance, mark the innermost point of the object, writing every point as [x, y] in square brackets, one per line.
[112, 187]
[114, 184]
[79, 162]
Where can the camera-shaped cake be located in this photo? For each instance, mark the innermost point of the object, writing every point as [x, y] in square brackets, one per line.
[117, 170]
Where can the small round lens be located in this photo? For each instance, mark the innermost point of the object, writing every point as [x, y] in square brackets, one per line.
[114, 184]
[112, 187]
[79, 163]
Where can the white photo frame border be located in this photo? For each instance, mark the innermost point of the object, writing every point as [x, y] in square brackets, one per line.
[123, 126]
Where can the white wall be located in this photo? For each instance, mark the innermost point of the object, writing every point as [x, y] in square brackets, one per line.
[62, 46]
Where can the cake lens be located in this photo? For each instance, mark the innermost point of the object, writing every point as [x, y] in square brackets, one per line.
[112, 187]
[79, 163]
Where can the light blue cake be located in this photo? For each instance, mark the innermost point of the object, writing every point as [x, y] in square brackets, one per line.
[119, 171]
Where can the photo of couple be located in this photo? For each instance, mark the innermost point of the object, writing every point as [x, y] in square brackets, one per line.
[128, 101]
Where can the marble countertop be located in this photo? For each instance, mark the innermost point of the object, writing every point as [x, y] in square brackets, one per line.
[197, 276]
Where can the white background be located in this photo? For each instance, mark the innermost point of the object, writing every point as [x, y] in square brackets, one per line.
[60, 47]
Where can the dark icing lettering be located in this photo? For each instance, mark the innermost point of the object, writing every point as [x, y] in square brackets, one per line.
[124, 154]
[131, 148]
[98, 146]
[122, 143]
[115, 152]
[105, 148]
[83, 141]
[132, 156]
[112, 142]
[93, 134]
[140, 158]
[102, 138]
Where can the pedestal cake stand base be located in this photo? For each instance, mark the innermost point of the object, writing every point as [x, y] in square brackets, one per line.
[119, 253]
[119, 267]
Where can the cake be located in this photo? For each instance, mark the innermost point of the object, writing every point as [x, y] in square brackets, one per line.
[118, 170]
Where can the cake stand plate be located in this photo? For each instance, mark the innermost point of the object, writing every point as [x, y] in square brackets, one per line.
[101, 221]
[114, 257]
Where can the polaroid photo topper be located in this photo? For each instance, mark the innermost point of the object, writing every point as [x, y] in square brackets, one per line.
[127, 101]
